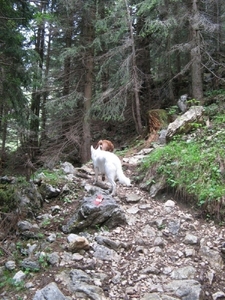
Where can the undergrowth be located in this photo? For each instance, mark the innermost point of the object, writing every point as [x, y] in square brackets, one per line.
[195, 164]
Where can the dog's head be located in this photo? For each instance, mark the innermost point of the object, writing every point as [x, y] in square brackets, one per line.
[105, 145]
[94, 152]
[99, 144]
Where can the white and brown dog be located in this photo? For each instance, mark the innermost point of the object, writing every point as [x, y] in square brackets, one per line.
[105, 145]
[109, 164]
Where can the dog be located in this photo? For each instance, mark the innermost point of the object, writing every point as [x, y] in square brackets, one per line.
[109, 164]
[105, 145]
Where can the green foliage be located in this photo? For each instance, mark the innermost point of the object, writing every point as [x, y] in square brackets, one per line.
[211, 93]
[8, 194]
[51, 177]
[172, 110]
[7, 198]
[193, 166]
[67, 199]
[219, 119]
[46, 222]
[8, 283]
[211, 110]
[43, 260]
[193, 102]
[100, 228]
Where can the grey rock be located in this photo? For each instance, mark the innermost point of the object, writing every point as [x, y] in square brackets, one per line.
[90, 214]
[10, 265]
[49, 292]
[81, 282]
[187, 272]
[151, 270]
[185, 289]
[218, 295]
[51, 238]
[190, 239]
[162, 136]
[157, 187]
[48, 191]
[104, 253]
[213, 257]
[24, 225]
[31, 248]
[133, 198]
[169, 206]
[184, 123]
[80, 243]
[53, 258]
[174, 226]
[159, 242]
[30, 264]
[19, 276]
[151, 296]
[133, 210]
[107, 242]
[68, 168]
[29, 285]
[189, 252]
[29, 199]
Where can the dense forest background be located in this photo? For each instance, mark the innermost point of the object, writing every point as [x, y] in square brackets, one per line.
[75, 71]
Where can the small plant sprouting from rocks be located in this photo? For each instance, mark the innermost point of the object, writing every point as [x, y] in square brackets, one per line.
[8, 283]
[43, 260]
[67, 200]
[46, 222]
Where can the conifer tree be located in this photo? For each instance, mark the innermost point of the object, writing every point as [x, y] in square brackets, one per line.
[14, 18]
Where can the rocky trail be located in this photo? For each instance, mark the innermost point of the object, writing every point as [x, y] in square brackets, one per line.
[162, 251]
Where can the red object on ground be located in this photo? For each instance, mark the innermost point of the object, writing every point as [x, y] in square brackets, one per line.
[99, 199]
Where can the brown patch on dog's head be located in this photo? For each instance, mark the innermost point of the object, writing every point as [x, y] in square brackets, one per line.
[105, 145]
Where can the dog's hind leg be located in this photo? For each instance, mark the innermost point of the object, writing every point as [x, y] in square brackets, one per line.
[96, 175]
[113, 187]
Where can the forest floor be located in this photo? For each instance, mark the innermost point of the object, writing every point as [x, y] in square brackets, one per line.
[156, 259]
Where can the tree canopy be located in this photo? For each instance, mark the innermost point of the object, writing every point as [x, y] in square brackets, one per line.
[66, 65]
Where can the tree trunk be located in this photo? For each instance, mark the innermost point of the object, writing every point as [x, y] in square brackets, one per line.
[45, 94]
[4, 131]
[196, 58]
[85, 156]
[67, 61]
[143, 60]
[37, 93]
[137, 108]
[88, 37]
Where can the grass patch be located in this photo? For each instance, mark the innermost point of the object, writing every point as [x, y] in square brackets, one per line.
[51, 177]
[195, 165]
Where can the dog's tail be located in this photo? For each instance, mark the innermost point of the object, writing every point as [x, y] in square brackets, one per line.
[122, 178]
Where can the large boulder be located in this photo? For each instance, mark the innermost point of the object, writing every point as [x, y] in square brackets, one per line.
[93, 213]
[184, 123]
